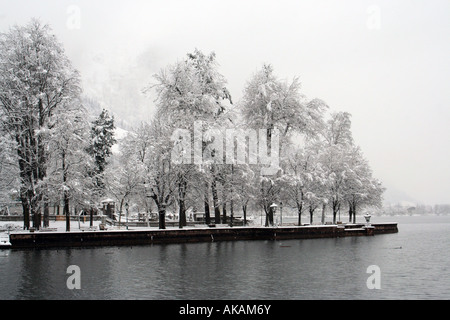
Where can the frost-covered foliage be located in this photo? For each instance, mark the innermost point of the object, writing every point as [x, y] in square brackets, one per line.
[191, 90]
[51, 153]
[68, 175]
[9, 170]
[320, 166]
[37, 81]
[271, 103]
[102, 140]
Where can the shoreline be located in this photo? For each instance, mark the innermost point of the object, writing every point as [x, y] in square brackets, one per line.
[100, 238]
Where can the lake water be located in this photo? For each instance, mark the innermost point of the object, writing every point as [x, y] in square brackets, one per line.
[413, 264]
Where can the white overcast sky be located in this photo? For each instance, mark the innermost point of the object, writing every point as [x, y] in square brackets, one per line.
[385, 62]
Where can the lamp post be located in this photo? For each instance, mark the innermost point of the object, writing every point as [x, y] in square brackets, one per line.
[281, 213]
[126, 209]
[149, 211]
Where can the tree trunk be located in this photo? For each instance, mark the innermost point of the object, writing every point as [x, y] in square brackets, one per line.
[207, 213]
[354, 212]
[39, 219]
[206, 204]
[24, 176]
[231, 212]
[35, 212]
[181, 213]
[350, 211]
[299, 211]
[181, 203]
[46, 213]
[244, 210]
[224, 212]
[231, 197]
[215, 201]
[323, 213]
[162, 216]
[41, 166]
[311, 214]
[66, 211]
[335, 211]
[26, 211]
[91, 217]
[269, 217]
[65, 195]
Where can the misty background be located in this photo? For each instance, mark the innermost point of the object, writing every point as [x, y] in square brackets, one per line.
[385, 62]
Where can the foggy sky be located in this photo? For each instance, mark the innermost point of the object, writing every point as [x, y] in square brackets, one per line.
[385, 62]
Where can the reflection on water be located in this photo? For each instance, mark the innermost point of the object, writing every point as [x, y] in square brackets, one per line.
[413, 265]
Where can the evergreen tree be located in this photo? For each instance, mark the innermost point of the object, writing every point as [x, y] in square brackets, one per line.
[102, 140]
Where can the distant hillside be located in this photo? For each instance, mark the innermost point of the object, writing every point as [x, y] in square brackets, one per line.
[392, 196]
[119, 134]
[94, 108]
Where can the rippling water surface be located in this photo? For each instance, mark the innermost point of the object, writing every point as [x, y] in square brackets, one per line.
[413, 265]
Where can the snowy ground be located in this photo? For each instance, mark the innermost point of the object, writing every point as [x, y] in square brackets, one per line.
[60, 226]
[17, 226]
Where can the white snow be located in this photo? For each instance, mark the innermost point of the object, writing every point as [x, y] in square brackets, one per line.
[57, 225]
[119, 134]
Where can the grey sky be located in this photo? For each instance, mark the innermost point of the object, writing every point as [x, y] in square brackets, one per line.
[385, 62]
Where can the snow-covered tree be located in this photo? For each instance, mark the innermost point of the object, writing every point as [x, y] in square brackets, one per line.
[102, 140]
[243, 187]
[302, 179]
[334, 157]
[348, 176]
[137, 145]
[361, 188]
[123, 176]
[338, 129]
[36, 81]
[272, 104]
[161, 180]
[69, 164]
[188, 92]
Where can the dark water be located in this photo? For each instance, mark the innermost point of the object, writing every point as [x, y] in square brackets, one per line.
[414, 264]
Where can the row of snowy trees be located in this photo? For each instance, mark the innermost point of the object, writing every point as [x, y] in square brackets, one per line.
[49, 151]
[319, 164]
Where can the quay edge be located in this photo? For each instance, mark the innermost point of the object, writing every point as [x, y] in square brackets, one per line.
[187, 235]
